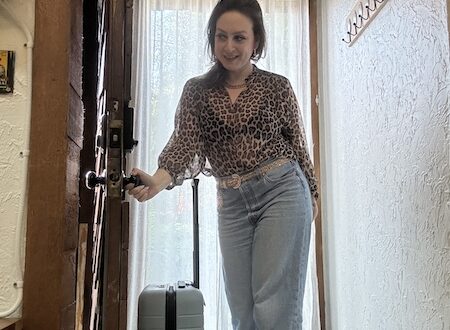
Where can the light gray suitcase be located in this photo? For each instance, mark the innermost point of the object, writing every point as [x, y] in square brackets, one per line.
[174, 306]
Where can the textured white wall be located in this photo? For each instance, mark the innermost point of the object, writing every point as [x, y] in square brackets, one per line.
[386, 147]
[14, 111]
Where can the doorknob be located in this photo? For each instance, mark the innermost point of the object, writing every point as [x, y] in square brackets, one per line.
[93, 180]
[132, 179]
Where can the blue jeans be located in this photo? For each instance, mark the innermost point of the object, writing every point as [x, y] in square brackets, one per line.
[264, 232]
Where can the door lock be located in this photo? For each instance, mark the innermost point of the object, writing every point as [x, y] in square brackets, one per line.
[93, 180]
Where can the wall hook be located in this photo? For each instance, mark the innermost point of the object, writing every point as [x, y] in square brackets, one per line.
[347, 42]
[359, 11]
[374, 4]
[364, 18]
[356, 19]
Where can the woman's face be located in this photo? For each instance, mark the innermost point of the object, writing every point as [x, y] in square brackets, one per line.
[234, 41]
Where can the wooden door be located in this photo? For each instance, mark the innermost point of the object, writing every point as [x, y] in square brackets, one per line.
[105, 301]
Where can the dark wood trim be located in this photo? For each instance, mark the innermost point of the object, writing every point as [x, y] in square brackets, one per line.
[116, 75]
[112, 265]
[87, 156]
[128, 48]
[124, 266]
[313, 21]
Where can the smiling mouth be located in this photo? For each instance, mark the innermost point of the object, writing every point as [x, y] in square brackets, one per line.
[230, 58]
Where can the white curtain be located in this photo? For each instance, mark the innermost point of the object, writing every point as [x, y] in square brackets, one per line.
[169, 48]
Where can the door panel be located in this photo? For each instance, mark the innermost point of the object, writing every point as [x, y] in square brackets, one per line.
[109, 253]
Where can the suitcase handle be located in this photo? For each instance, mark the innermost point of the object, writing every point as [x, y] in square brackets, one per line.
[196, 264]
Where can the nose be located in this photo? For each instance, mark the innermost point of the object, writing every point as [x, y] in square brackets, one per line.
[229, 46]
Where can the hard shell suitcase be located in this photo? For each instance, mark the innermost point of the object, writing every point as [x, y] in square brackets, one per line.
[174, 306]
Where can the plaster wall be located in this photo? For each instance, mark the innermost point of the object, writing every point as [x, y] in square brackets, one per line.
[386, 176]
[14, 130]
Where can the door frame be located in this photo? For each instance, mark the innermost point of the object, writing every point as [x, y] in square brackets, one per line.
[315, 128]
[118, 91]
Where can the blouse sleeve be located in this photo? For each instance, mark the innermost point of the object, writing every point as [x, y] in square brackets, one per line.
[182, 157]
[295, 133]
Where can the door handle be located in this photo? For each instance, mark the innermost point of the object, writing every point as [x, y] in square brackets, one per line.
[93, 180]
[132, 179]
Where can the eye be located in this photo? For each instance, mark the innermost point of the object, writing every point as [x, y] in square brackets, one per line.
[239, 38]
[221, 36]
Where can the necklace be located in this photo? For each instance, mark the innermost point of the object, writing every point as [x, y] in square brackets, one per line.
[235, 86]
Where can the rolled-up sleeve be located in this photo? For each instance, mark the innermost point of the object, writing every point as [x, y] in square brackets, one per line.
[295, 134]
[182, 157]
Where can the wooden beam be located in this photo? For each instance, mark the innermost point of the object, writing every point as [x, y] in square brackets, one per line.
[45, 259]
[313, 6]
[55, 143]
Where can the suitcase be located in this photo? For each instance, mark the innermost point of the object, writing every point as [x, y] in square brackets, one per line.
[179, 305]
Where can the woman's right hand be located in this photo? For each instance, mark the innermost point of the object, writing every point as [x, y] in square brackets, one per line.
[151, 184]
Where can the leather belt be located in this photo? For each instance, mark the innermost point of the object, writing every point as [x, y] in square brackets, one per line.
[235, 180]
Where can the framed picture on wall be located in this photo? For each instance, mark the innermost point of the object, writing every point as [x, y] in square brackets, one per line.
[6, 71]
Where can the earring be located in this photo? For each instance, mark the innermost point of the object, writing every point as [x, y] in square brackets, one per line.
[254, 52]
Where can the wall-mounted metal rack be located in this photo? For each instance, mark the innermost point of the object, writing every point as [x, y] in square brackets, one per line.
[360, 16]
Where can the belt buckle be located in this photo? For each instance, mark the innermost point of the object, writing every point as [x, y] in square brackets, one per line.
[235, 181]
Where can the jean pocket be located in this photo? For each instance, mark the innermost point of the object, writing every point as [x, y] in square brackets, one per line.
[280, 173]
[301, 176]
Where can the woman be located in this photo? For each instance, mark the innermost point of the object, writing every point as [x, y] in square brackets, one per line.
[247, 123]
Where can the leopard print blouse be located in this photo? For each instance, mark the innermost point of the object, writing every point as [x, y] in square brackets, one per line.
[217, 137]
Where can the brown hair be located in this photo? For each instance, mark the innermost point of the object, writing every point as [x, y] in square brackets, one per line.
[215, 77]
